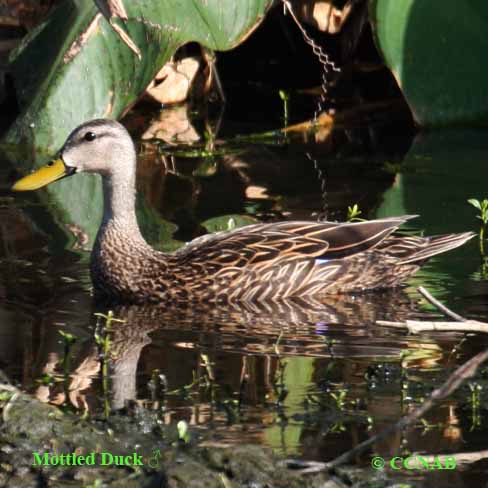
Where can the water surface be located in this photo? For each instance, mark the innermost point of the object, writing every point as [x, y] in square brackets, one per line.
[310, 380]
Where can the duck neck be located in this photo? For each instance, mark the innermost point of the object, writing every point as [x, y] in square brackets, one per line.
[119, 205]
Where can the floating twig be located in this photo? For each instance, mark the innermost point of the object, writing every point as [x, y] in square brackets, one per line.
[446, 311]
[460, 324]
[416, 326]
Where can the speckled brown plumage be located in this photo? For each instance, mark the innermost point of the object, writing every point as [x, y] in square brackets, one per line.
[263, 262]
[257, 263]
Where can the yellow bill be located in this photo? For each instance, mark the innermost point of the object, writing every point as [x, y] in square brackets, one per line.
[53, 171]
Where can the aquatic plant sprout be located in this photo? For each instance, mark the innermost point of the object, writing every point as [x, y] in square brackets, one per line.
[482, 206]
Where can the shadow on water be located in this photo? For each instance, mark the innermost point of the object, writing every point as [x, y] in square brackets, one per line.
[310, 379]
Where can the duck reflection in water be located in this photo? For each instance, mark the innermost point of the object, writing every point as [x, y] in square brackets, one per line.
[289, 328]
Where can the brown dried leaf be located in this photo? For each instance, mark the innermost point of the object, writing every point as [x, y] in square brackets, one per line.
[126, 38]
[172, 126]
[321, 14]
[173, 83]
[323, 120]
[113, 10]
[82, 39]
[257, 192]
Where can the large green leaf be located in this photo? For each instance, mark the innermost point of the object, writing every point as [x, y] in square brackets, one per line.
[436, 51]
[74, 67]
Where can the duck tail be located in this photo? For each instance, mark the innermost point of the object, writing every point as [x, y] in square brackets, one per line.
[437, 245]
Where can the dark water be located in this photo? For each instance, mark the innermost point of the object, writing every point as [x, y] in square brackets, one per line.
[310, 380]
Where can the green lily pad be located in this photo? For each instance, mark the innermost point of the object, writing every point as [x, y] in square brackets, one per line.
[436, 52]
[74, 67]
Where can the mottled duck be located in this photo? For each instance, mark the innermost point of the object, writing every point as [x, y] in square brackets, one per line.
[254, 263]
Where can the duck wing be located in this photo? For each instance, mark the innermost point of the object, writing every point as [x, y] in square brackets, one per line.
[259, 244]
[416, 250]
[265, 261]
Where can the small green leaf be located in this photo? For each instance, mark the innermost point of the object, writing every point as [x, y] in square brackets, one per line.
[183, 432]
[475, 203]
[231, 224]
[67, 337]
[284, 95]
[353, 212]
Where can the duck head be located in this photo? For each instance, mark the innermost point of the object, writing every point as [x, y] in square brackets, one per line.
[100, 146]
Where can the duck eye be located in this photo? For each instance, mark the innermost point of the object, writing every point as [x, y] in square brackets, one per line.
[90, 136]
